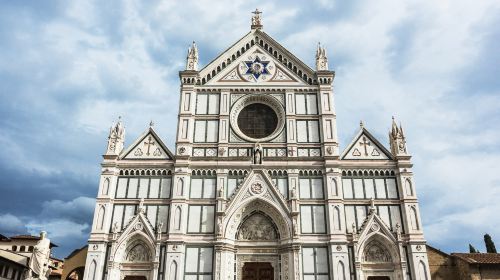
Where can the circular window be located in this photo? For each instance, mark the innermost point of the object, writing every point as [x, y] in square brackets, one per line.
[257, 120]
[257, 117]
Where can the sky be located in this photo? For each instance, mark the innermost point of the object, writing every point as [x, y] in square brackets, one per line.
[68, 69]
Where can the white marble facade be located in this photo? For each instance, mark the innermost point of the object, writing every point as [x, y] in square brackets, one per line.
[256, 176]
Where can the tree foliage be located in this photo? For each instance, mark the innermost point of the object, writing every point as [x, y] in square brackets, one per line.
[472, 249]
[490, 246]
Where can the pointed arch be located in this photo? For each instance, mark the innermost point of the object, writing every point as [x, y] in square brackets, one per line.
[279, 217]
[422, 270]
[388, 244]
[341, 270]
[257, 226]
[139, 230]
[100, 217]
[180, 187]
[177, 218]
[336, 217]
[335, 190]
[414, 218]
[408, 187]
[92, 270]
[376, 252]
[105, 186]
[173, 271]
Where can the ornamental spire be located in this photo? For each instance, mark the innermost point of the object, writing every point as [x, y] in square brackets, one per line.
[397, 139]
[192, 58]
[321, 58]
[256, 19]
[116, 138]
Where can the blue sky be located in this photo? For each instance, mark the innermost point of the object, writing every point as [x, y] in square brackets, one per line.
[69, 68]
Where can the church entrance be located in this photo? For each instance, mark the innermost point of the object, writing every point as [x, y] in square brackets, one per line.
[258, 271]
[378, 278]
[135, 277]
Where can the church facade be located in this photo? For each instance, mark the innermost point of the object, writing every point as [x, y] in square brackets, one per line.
[256, 187]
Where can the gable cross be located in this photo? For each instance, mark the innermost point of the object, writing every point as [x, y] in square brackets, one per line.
[149, 143]
[365, 143]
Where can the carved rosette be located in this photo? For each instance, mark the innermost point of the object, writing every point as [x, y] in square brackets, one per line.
[257, 188]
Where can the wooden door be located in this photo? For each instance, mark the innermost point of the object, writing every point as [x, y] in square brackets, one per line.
[258, 271]
[134, 277]
[378, 278]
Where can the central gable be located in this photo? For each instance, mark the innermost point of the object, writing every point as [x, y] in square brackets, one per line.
[256, 67]
[254, 59]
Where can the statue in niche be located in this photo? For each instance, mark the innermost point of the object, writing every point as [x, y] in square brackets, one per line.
[219, 226]
[257, 227]
[138, 253]
[257, 154]
[40, 259]
[374, 252]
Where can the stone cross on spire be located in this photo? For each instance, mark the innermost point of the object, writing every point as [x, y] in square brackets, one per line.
[321, 59]
[192, 58]
[256, 19]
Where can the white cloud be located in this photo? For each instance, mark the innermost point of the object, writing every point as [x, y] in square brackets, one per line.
[11, 225]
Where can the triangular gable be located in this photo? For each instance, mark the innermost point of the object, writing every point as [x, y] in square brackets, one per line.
[365, 146]
[256, 67]
[374, 224]
[147, 146]
[286, 66]
[138, 224]
[257, 184]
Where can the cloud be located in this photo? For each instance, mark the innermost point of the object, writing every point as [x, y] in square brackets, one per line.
[77, 210]
[11, 225]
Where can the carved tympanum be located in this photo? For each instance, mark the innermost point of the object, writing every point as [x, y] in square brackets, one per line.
[257, 227]
[138, 253]
[375, 252]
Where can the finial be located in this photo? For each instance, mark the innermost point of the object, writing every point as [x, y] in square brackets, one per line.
[361, 124]
[151, 123]
[256, 19]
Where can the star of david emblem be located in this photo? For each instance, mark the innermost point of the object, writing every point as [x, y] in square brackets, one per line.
[257, 67]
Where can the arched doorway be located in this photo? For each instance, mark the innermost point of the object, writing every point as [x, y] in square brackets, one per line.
[379, 262]
[137, 264]
[257, 241]
[258, 227]
[133, 258]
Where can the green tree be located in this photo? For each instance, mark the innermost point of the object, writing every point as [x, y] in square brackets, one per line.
[490, 246]
[472, 249]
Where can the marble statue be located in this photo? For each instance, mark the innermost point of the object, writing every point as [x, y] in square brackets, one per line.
[40, 259]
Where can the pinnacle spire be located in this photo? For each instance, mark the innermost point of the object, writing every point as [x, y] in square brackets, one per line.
[397, 139]
[321, 58]
[192, 57]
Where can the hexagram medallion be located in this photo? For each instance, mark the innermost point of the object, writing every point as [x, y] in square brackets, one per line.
[257, 68]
